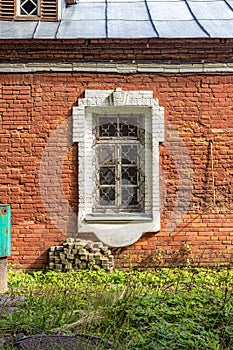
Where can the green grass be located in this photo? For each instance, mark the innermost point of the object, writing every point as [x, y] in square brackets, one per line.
[172, 309]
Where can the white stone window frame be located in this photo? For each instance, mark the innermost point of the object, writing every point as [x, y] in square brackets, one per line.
[122, 229]
[27, 16]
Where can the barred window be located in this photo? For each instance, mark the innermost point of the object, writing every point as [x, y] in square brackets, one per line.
[118, 134]
[120, 160]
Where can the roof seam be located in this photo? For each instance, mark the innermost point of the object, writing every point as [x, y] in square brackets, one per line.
[106, 18]
[35, 30]
[198, 23]
[57, 30]
[150, 18]
[227, 3]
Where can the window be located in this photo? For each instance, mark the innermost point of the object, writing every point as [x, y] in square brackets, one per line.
[30, 10]
[118, 134]
[120, 163]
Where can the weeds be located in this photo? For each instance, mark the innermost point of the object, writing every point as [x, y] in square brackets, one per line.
[173, 309]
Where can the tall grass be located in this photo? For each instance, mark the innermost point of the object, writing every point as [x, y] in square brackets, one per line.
[186, 308]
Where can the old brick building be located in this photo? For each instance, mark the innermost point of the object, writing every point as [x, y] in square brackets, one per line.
[116, 123]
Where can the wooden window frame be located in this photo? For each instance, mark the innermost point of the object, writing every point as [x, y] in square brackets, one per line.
[48, 11]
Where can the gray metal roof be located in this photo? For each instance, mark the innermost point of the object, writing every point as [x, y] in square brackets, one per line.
[131, 19]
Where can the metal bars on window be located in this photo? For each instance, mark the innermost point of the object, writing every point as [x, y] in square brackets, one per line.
[120, 160]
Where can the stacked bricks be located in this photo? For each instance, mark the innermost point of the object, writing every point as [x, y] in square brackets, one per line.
[76, 254]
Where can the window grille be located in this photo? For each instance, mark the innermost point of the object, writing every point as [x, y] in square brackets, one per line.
[120, 160]
[29, 8]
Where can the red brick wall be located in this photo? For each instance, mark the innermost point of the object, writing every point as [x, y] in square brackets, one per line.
[198, 109]
[117, 50]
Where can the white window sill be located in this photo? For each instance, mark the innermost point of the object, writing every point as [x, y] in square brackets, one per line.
[112, 218]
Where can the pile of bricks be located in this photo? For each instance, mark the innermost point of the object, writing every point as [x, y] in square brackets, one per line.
[76, 254]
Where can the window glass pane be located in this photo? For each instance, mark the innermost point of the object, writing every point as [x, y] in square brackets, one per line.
[129, 154]
[107, 196]
[107, 176]
[29, 7]
[129, 196]
[120, 162]
[106, 154]
[128, 127]
[129, 176]
[34, 13]
[23, 13]
[107, 127]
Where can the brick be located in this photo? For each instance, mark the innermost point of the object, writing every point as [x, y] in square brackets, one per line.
[193, 106]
